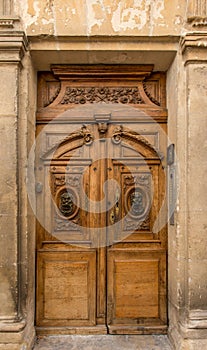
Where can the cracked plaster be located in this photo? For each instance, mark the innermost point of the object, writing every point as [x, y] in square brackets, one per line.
[100, 17]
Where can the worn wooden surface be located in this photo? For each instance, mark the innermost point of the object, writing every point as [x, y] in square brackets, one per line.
[100, 270]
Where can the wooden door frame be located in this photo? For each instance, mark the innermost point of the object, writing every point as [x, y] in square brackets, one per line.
[159, 114]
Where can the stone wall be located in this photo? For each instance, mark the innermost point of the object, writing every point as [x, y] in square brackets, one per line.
[170, 34]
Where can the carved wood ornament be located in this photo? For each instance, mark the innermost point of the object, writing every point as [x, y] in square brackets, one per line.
[70, 86]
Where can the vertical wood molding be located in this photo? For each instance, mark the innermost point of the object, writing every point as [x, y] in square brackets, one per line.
[197, 12]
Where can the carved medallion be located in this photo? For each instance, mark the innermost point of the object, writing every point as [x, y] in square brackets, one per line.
[137, 203]
[67, 203]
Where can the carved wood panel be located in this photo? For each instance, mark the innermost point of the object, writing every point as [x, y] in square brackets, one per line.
[71, 86]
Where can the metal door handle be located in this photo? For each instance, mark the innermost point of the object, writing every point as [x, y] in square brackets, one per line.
[112, 217]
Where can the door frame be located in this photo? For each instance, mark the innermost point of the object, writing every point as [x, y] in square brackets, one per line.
[159, 114]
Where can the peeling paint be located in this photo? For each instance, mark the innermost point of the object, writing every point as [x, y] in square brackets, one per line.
[132, 14]
[157, 8]
[29, 18]
[47, 21]
[93, 18]
[136, 17]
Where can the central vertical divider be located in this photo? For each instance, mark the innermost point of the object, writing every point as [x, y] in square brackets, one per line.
[101, 158]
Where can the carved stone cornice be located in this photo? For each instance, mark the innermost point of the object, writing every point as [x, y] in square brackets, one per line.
[13, 46]
[194, 47]
[197, 13]
[8, 22]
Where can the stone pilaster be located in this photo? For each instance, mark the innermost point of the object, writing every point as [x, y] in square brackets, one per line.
[197, 12]
[12, 324]
[188, 325]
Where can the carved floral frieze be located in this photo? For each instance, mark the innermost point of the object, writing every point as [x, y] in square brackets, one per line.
[85, 95]
[69, 88]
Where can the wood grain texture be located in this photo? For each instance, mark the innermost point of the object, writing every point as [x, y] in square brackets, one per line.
[92, 277]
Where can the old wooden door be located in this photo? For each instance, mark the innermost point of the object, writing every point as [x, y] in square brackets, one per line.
[101, 265]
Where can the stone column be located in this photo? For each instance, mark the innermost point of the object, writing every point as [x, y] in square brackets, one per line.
[188, 272]
[12, 49]
[197, 12]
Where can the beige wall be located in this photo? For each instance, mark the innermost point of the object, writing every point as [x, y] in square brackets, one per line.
[102, 17]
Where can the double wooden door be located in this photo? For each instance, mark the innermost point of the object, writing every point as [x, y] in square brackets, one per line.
[101, 266]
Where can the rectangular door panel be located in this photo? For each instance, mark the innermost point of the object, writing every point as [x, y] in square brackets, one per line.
[66, 292]
[136, 290]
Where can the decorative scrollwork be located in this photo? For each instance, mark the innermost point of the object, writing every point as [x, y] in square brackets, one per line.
[132, 225]
[85, 95]
[65, 225]
[121, 132]
[68, 180]
[149, 94]
[117, 134]
[141, 179]
[56, 91]
[85, 132]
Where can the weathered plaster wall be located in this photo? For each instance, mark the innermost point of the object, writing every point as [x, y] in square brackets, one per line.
[101, 17]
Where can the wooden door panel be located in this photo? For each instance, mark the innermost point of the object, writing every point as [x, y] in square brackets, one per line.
[67, 288]
[136, 290]
[72, 284]
[99, 262]
[139, 201]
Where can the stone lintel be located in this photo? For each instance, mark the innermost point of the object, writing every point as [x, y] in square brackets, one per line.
[194, 47]
[13, 45]
[159, 50]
